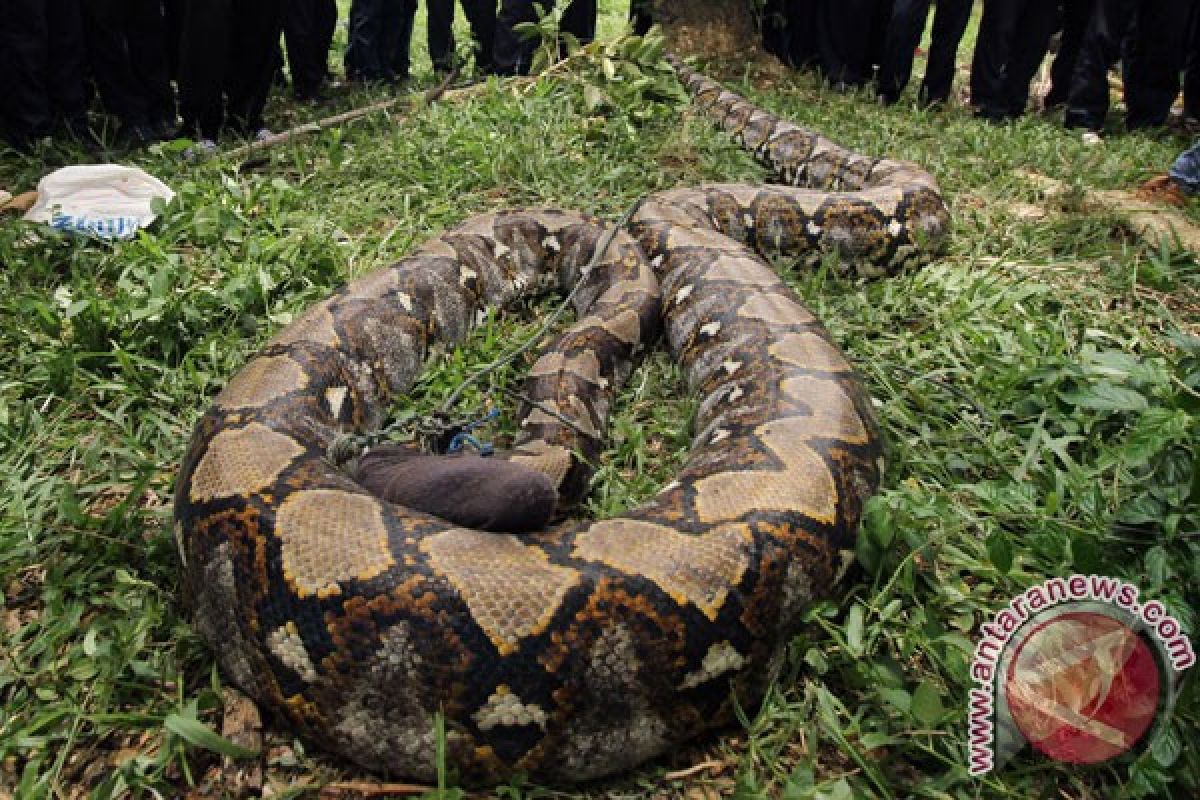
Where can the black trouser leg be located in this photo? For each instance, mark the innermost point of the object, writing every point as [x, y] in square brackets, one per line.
[363, 49]
[773, 27]
[399, 18]
[112, 66]
[25, 49]
[1075, 19]
[788, 31]
[879, 17]
[802, 33]
[1087, 100]
[1191, 67]
[641, 15]
[481, 16]
[512, 53]
[579, 20]
[68, 57]
[904, 32]
[203, 60]
[949, 24]
[148, 39]
[440, 29]
[173, 11]
[842, 46]
[253, 63]
[989, 64]
[1036, 23]
[1160, 35]
[308, 30]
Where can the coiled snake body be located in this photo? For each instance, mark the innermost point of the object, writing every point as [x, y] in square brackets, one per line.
[589, 648]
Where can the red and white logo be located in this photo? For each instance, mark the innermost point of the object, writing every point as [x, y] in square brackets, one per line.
[1078, 669]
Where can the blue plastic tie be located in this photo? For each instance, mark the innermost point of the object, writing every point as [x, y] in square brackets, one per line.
[464, 436]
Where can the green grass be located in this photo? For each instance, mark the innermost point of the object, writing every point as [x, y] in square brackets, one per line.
[1037, 388]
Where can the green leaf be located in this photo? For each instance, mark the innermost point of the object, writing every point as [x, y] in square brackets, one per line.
[854, 631]
[1157, 429]
[1104, 396]
[1167, 747]
[609, 68]
[927, 705]
[1000, 551]
[196, 733]
[900, 699]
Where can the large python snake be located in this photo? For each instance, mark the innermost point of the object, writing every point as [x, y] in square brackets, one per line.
[589, 648]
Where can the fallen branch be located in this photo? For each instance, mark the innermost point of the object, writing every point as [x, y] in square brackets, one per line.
[712, 766]
[334, 121]
[361, 790]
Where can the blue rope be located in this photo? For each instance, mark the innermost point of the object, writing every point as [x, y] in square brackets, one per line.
[464, 436]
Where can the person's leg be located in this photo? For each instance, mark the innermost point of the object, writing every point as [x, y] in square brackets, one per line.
[203, 58]
[641, 15]
[512, 53]
[1191, 67]
[24, 52]
[398, 21]
[773, 27]
[248, 83]
[66, 67]
[362, 48]
[1087, 99]
[879, 14]
[801, 15]
[327, 18]
[904, 33]
[579, 20]
[1036, 22]
[173, 11]
[299, 34]
[481, 16]
[105, 31]
[989, 66]
[1075, 19]
[949, 24]
[841, 42]
[1156, 61]
[440, 31]
[148, 40]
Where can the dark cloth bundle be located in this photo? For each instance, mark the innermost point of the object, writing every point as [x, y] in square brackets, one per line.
[491, 494]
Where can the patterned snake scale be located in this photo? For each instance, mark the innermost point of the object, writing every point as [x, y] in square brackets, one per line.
[587, 649]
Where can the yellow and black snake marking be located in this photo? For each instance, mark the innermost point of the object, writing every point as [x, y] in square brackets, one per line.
[584, 650]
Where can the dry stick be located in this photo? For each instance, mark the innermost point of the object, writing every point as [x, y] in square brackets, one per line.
[432, 95]
[360, 790]
[349, 116]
